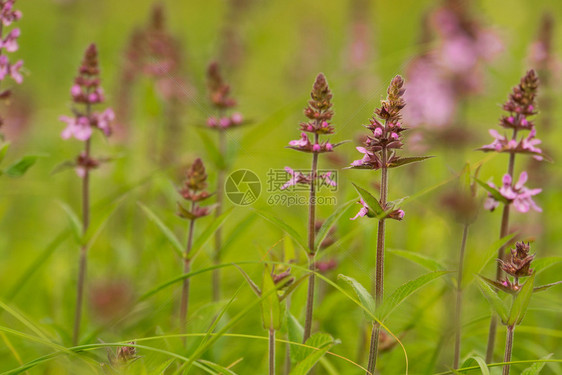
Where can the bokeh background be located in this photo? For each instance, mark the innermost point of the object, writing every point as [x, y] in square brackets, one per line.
[270, 52]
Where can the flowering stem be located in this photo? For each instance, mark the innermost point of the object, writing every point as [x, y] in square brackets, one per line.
[458, 310]
[379, 273]
[218, 212]
[508, 347]
[311, 250]
[271, 351]
[186, 269]
[501, 251]
[83, 250]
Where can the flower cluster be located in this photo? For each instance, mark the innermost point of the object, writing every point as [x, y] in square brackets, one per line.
[319, 113]
[219, 93]
[520, 106]
[386, 131]
[518, 195]
[9, 43]
[86, 92]
[518, 265]
[194, 191]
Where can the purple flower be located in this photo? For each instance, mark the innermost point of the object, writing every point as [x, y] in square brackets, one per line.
[518, 195]
[10, 42]
[303, 142]
[10, 69]
[526, 145]
[77, 127]
[8, 14]
[363, 211]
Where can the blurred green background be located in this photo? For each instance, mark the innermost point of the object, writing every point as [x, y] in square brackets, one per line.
[284, 45]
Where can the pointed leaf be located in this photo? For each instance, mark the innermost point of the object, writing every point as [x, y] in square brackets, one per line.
[184, 213]
[408, 160]
[295, 332]
[536, 367]
[369, 200]
[418, 258]
[284, 227]
[497, 285]
[364, 296]
[21, 166]
[216, 367]
[320, 343]
[249, 280]
[521, 302]
[545, 287]
[329, 223]
[495, 302]
[167, 232]
[494, 192]
[543, 263]
[404, 291]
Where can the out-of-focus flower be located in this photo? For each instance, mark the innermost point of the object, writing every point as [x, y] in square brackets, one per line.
[219, 93]
[518, 195]
[324, 266]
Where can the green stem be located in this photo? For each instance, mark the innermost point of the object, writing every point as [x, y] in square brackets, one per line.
[379, 273]
[508, 348]
[311, 250]
[218, 212]
[504, 229]
[458, 308]
[186, 282]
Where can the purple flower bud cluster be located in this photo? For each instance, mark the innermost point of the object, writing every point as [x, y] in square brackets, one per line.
[319, 113]
[386, 130]
[87, 92]
[219, 93]
[518, 265]
[194, 190]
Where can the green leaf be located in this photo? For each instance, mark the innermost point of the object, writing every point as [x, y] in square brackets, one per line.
[184, 213]
[494, 192]
[407, 289]
[543, 263]
[286, 228]
[208, 232]
[476, 361]
[545, 287]
[216, 367]
[521, 302]
[3, 151]
[364, 296]
[99, 222]
[321, 342]
[270, 305]
[418, 258]
[21, 166]
[212, 150]
[75, 222]
[250, 282]
[536, 367]
[295, 332]
[495, 302]
[167, 232]
[404, 161]
[329, 223]
[370, 201]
